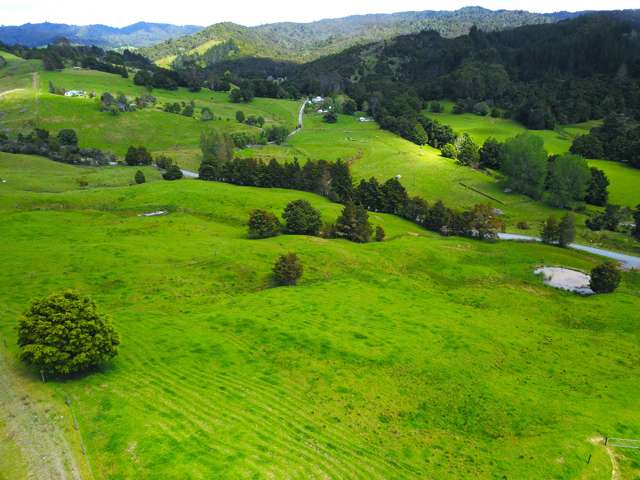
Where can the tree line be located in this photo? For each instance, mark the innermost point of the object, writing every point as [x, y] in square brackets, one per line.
[62, 147]
[333, 180]
[618, 139]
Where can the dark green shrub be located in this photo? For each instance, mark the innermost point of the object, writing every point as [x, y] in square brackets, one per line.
[301, 218]
[64, 333]
[287, 269]
[605, 278]
[172, 173]
[139, 177]
[263, 224]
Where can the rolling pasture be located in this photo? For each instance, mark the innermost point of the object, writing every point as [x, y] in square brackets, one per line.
[625, 181]
[419, 357]
[370, 150]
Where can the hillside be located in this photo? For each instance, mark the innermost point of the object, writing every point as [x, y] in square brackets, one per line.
[307, 41]
[418, 357]
[541, 75]
[139, 34]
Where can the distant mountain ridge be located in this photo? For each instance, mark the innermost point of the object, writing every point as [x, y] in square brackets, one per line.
[140, 34]
[308, 41]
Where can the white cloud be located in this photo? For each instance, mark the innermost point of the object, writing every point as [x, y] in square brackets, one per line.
[252, 12]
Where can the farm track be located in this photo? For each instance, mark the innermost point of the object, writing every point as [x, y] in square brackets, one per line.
[35, 430]
[8, 92]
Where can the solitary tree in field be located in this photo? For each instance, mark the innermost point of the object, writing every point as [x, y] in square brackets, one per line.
[380, 234]
[64, 333]
[605, 278]
[287, 269]
[240, 116]
[139, 177]
[263, 224]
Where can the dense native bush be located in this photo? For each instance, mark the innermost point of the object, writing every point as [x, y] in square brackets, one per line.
[618, 139]
[64, 333]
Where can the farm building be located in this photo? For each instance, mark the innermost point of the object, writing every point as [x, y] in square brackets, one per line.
[74, 93]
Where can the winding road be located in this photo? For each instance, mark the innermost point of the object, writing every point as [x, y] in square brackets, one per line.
[628, 261]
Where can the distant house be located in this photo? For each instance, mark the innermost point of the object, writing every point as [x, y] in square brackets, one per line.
[365, 119]
[317, 99]
[74, 93]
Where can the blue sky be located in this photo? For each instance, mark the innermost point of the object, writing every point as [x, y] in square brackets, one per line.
[248, 12]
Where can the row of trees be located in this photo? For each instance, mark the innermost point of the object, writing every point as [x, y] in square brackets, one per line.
[302, 219]
[62, 147]
[333, 180]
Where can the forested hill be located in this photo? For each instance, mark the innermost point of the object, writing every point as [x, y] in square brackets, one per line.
[307, 41]
[136, 35]
[566, 72]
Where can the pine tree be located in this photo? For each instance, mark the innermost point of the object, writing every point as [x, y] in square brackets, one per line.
[353, 224]
[380, 234]
[550, 230]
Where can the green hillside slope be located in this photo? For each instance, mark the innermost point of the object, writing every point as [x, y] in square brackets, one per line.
[422, 356]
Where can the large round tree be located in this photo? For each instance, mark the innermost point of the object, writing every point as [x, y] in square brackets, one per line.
[64, 333]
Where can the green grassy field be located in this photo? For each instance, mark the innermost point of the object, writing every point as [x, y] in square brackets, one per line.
[418, 357]
[625, 181]
[171, 134]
